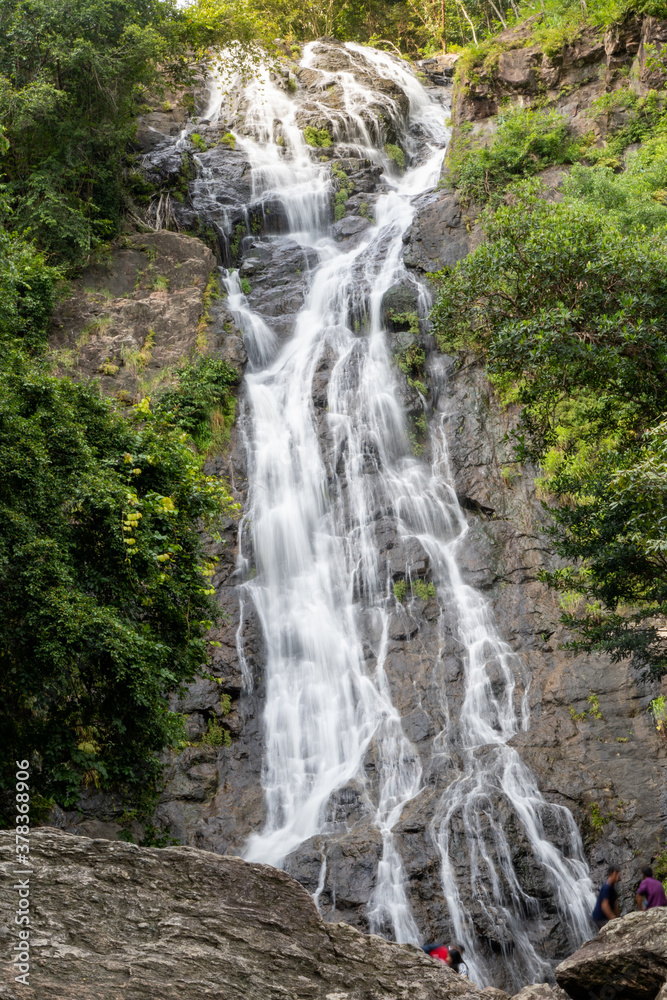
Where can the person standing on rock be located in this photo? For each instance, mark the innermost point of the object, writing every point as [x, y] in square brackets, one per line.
[607, 906]
[650, 892]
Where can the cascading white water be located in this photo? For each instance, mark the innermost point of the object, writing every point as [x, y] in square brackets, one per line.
[320, 586]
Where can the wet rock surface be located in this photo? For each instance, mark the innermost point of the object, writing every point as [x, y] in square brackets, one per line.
[627, 958]
[115, 920]
[440, 234]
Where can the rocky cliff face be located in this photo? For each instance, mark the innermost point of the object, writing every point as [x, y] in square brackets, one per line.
[607, 767]
[568, 79]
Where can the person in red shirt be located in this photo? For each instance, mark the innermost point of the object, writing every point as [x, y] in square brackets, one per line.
[650, 892]
[450, 956]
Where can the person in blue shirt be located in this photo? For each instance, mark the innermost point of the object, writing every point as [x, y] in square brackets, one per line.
[607, 906]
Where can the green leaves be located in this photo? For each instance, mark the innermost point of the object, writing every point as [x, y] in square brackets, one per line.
[104, 587]
[569, 312]
[525, 142]
[26, 291]
[203, 404]
[71, 76]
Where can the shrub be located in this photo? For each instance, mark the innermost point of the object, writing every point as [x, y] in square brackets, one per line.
[216, 735]
[526, 141]
[319, 137]
[203, 395]
[27, 286]
[396, 155]
[198, 142]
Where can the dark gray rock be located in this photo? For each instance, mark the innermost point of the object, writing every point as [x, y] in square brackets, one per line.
[278, 270]
[627, 960]
[400, 301]
[350, 229]
[439, 235]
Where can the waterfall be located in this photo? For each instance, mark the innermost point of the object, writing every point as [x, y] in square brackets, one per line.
[321, 481]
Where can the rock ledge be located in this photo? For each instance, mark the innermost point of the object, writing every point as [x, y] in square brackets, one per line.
[112, 920]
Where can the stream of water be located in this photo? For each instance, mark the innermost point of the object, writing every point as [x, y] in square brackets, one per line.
[318, 485]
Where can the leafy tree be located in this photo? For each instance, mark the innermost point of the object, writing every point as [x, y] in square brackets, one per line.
[104, 594]
[26, 285]
[203, 392]
[570, 316]
[72, 77]
[616, 531]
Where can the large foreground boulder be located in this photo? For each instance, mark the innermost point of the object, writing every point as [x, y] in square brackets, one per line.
[112, 920]
[626, 961]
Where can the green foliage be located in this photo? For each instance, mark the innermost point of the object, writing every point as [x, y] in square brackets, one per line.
[226, 703]
[246, 287]
[634, 200]
[526, 141]
[71, 79]
[594, 707]
[567, 304]
[203, 396]
[104, 593]
[411, 360]
[646, 121]
[235, 243]
[559, 19]
[319, 137]
[658, 709]
[424, 591]
[229, 140]
[598, 821]
[198, 142]
[340, 199]
[216, 735]
[27, 287]
[343, 190]
[396, 155]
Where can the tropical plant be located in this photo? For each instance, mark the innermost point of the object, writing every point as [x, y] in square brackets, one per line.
[570, 316]
[105, 599]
